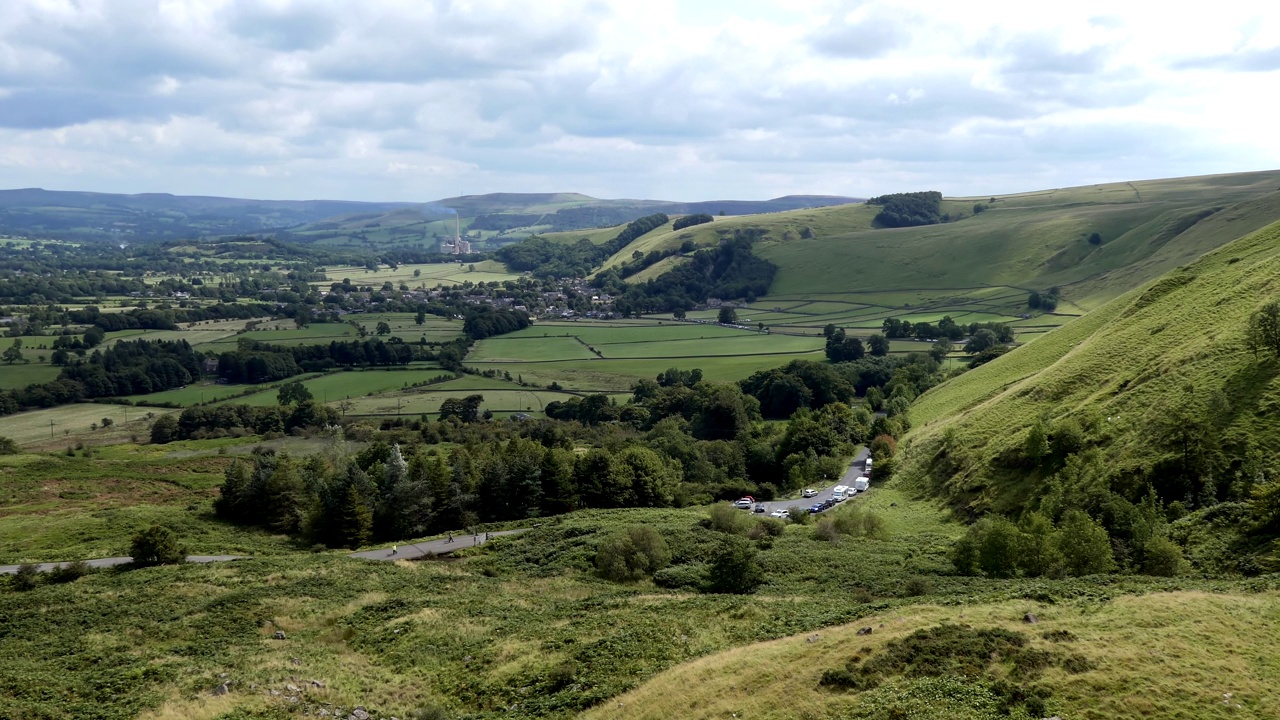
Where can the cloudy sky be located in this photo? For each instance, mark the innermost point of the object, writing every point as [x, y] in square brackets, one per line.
[681, 100]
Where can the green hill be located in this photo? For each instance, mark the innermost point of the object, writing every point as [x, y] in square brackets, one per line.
[1153, 397]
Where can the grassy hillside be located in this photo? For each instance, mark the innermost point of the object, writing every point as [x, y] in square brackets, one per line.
[1149, 656]
[1159, 382]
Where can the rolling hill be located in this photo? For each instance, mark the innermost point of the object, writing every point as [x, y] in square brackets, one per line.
[1154, 397]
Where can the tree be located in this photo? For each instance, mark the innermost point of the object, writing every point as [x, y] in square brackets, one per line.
[355, 518]
[157, 545]
[8, 446]
[107, 422]
[383, 328]
[417, 272]
[983, 339]
[828, 330]
[879, 344]
[632, 554]
[293, 393]
[735, 568]
[420, 318]
[164, 430]
[13, 353]
[1084, 545]
[728, 316]
[1262, 334]
[678, 313]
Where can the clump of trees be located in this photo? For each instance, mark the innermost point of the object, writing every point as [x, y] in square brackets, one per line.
[632, 554]
[908, 209]
[691, 220]
[157, 545]
[1047, 301]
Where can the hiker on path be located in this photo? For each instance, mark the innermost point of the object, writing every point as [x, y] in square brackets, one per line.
[450, 538]
[395, 549]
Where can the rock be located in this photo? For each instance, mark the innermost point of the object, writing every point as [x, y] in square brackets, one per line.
[865, 630]
[291, 688]
[360, 714]
[322, 712]
[1030, 619]
[814, 638]
[295, 661]
[222, 689]
[279, 635]
[317, 683]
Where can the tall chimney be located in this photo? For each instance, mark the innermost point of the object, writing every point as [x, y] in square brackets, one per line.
[457, 227]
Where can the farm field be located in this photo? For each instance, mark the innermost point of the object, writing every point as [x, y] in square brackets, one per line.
[56, 427]
[558, 352]
[207, 391]
[431, 274]
[23, 374]
[501, 397]
[335, 386]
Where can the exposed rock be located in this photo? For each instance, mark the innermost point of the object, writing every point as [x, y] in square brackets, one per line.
[359, 714]
[295, 661]
[222, 689]
[1030, 619]
[317, 683]
[865, 630]
[291, 688]
[814, 638]
[279, 635]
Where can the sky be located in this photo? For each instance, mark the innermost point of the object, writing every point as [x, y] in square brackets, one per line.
[416, 100]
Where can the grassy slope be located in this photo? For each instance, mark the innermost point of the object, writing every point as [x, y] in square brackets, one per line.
[1154, 656]
[1177, 340]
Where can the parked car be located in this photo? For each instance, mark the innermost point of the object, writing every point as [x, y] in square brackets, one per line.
[743, 504]
[816, 509]
[810, 492]
[778, 514]
[760, 508]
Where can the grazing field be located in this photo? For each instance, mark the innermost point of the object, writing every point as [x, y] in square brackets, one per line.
[56, 427]
[351, 384]
[24, 374]
[610, 355]
[430, 275]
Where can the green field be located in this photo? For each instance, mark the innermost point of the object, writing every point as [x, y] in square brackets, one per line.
[21, 375]
[332, 387]
[430, 275]
[562, 352]
[67, 424]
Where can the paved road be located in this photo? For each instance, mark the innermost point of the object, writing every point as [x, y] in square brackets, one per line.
[432, 547]
[113, 561]
[855, 470]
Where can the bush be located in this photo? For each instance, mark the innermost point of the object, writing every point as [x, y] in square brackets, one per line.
[1084, 545]
[69, 572]
[164, 429]
[826, 530]
[1162, 557]
[735, 569]
[798, 515]
[727, 518]
[917, 586]
[632, 554]
[26, 578]
[8, 446]
[692, 576]
[157, 545]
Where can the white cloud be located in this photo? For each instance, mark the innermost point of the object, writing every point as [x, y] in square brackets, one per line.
[405, 99]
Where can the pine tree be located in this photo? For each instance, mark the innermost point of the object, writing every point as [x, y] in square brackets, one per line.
[356, 519]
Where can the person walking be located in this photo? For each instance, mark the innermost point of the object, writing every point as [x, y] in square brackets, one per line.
[395, 549]
[450, 538]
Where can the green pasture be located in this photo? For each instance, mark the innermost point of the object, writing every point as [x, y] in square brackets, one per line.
[58, 426]
[529, 349]
[345, 384]
[21, 375]
[430, 274]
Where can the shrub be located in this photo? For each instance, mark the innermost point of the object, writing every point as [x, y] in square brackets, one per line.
[826, 530]
[26, 578]
[8, 446]
[1084, 545]
[632, 554]
[157, 545]
[734, 568]
[164, 429]
[69, 572]
[1162, 557]
[917, 586]
[692, 575]
[727, 518]
[798, 515]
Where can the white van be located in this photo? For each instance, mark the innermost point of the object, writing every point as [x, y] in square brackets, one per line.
[862, 483]
[840, 492]
[867, 466]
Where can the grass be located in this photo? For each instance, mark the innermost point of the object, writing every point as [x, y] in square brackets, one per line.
[1155, 655]
[1178, 341]
[56, 427]
[22, 375]
[522, 628]
[431, 275]
[332, 387]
